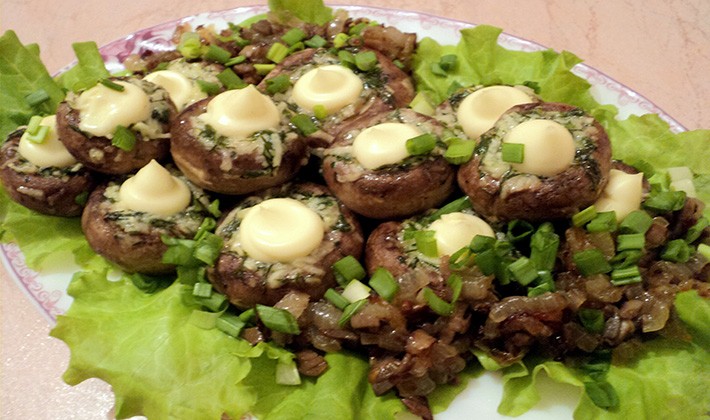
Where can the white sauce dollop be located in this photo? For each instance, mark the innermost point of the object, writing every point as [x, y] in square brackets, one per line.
[549, 147]
[383, 144]
[454, 231]
[240, 113]
[332, 86]
[182, 91]
[479, 111]
[101, 109]
[154, 189]
[51, 152]
[622, 194]
[280, 230]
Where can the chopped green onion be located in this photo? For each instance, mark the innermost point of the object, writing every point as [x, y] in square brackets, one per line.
[638, 221]
[340, 40]
[316, 42]
[384, 284]
[296, 47]
[665, 201]
[421, 144]
[208, 87]
[459, 151]
[277, 319]
[277, 52]
[347, 58]
[348, 268]
[585, 216]
[356, 290]
[357, 29]
[34, 124]
[190, 45]
[213, 208]
[481, 243]
[123, 138]
[422, 104]
[207, 225]
[304, 124]
[545, 283]
[704, 250]
[604, 222]
[189, 275]
[590, 262]
[230, 79]
[216, 302]
[112, 85]
[523, 271]
[448, 62]
[179, 251]
[677, 250]
[336, 299]
[591, 319]
[457, 205]
[630, 241]
[235, 60]
[39, 136]
[293, 36]
[696, 230]
[207, 249]
[248, 315]
[439, 305]
[203, 290]
[437, 70]
[626, 258]
[264, 69]
[487, 261]
[320, 111]
[426, 242]
[464, 257]
[351, 310]
[37, 97]
[659, 182]
[628, 275]
[519, 230]
[278, 84]
[513, 152]
[230, 324]
[602, 394]
[217, 54]
[365, 60]
[544, 244]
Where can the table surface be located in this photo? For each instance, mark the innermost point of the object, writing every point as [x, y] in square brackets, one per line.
[659, 48]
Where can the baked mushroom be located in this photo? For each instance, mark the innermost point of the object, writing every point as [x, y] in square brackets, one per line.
[540, 161]
[39, 173]
[237, 142]
[339, 89]
[373, 171]
[283, 239]
[116, 126]
[125, 221]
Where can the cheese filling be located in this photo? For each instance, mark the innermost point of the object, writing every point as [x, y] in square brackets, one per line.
[454, 231]
[101, 108]
[51, 152]
[383, 144]
[549, 147]
[182, 90]
[240, 113]
[479, 111]
[331, 86]
[280, 230]
[622, 194]
[153, 189]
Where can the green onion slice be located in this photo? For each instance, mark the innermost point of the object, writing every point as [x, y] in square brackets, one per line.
[421, 144]
[304, 124]
[384, 284]
[123, 138]
[459, 151]
[37, 97]
[591, 319]
[603, 222]
[677, 250]
[351, 310]
[217, 54]
[591, 261]
[332, 296]
[277, 52]
[630, 241]
[293, 36]
[585, 216]
[278, 84]
[347, 269]
[316, 41]
[230, 79]
[637, 221]
[426, 242]
[230, 324]
[513, 152]
[365, 60]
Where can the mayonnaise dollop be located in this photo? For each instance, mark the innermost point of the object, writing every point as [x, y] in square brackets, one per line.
[153, 189]
[239, 113]
[454, 231]
[622, 194]
[101, 108]
[50, 152]
[182, 91]
[383, 144]
[549, 147]
[479, 111]
[332, 87]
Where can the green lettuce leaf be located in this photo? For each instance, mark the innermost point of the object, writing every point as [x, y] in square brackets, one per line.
[89, 69]
[311, 11]
[144, 344]
[667, 381]
[23, 73]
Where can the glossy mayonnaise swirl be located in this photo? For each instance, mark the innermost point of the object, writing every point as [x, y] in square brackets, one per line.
[101, 108]
[153, 189]
[50, 152]
[454, 231]
[182, 91]
[280, 230]
[240, 113]
[549, 147]
[479, 111]
[383, 144]
[332, 87]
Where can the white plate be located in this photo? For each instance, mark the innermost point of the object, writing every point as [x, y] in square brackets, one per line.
[47, 290]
